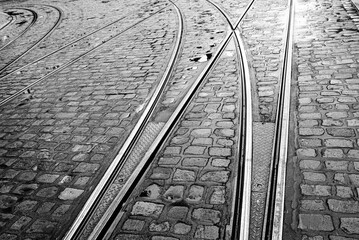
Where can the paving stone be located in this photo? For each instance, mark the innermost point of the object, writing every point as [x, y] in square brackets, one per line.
[147, 209]
[174, 193]
[184, 176]
[218, 162]
[47, 192]
[312, 205]
[309, 164]
[153, 191]
[47, 178]
[353, 154]
[344, 192]
[336, 165]
[26, 189]
[161, 173]
[206, 215]
[195, 193]
[314, 177]
[160, 227]
[178, 212]
[133, 225]
[42, 226]
[87, 167]
[169, 160]
[45, 207]
[201, 132]
[181, 228]
[26, 205]
[333, 153]
[341, 132]
[304, 153]
[334, 142]
[207, 232]
[221, 152]
[195, 150]
[216, 176]
[317, 222]
[343, 206]
[198, 162]
[350, 225]
[311, 131]
[316, 190]
[21, 223]
[70, 194]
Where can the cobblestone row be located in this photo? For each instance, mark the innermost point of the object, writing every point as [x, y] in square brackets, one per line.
[185, 193]
[47, 18]
[15, 82]
[263, 31]
[56, 142]
[205, 28]
[327, 150]
[82, 17]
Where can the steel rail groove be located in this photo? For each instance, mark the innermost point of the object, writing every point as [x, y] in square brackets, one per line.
[96, 196]
[58, 21]
[34, 19]
[121, 198]
[273, 218]
[67, 64]
[242, 187]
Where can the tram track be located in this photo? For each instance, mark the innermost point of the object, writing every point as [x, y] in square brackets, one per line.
[274, 212]
[36, 43]
[78, 229]
[241, 212]
[69, 63]
[113, 214]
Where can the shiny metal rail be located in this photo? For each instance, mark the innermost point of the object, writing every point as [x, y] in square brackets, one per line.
[276, 188]
[240, 219]
[104, 231]
[77, 229]
[48, 33]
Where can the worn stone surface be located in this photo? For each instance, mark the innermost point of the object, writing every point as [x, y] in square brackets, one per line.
[324, 201]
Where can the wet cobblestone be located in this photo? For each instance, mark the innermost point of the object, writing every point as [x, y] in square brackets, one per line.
[59, 138]
[191, 191]
[326, 42]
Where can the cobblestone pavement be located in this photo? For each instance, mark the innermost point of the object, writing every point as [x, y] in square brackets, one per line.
[325, 161]
[186, 192]
[59, 135]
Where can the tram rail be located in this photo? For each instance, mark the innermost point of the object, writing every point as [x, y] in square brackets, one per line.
[69, 63]
[113, 214]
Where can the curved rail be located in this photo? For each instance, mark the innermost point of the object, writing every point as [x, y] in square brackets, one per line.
[69, 63]
[34, 19]
[8, 23]
[100, 230]
[276, 187]
[242, 186]
[61, 48]
[109, 223]
[58, 21]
